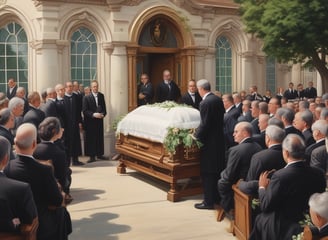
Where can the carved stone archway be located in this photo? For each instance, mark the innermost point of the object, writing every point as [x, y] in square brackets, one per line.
[184, 53]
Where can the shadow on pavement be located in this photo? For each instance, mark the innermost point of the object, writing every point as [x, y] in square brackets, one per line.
[97, 227]
[85, 195]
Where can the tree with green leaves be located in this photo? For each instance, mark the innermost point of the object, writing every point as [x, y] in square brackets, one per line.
[291, 30]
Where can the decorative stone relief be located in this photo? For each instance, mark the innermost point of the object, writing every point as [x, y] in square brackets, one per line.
[3, 2]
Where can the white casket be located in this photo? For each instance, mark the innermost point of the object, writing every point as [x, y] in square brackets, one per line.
[141, 134]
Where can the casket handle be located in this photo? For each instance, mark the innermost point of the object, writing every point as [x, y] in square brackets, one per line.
[138, 145]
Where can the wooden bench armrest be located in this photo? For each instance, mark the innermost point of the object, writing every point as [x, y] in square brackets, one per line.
[243, 214]
[29, 230]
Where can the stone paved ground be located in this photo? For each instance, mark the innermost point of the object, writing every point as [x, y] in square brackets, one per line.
[109, 206]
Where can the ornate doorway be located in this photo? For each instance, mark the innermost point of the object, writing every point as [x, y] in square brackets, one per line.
[159, 41]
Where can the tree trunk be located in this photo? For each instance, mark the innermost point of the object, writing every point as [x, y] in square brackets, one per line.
[320, 65]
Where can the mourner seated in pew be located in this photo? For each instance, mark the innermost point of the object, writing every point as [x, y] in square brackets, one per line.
[17, 205]
[238, 163]
[265, 160]
[319, 215]
[284, 197]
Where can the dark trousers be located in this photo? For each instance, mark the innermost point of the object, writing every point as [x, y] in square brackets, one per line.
[211, 194]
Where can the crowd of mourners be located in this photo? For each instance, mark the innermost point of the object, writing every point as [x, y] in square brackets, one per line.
[272, 147]
[39, 142]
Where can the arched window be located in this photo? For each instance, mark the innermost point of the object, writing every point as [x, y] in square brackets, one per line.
[13, 55]
[83, 56]
[223, 65]
[271, 74]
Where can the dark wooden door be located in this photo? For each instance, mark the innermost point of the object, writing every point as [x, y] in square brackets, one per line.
[157, 64]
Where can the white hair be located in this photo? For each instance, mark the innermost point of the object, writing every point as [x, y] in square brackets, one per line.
[321, 126]
[205, 84]
[14, 102]
[275, 133]
[318, 203]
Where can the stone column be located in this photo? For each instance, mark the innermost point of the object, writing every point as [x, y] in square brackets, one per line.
[47, 65]
[209, 67]
[248, 71]
[117, 101]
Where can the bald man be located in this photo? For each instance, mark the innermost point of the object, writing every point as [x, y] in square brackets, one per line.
[47, 197]
[16, 200]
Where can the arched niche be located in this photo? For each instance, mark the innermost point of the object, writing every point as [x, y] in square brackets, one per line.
[175, 50]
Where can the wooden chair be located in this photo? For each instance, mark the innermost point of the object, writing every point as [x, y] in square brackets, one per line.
[27, 232]
[242, 225]
[307, 235]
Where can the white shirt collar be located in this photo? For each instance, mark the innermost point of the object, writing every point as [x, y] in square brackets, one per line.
[229, 108]
[206, 94]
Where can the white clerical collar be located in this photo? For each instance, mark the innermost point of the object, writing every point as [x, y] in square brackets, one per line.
[68, 95]
[206, 94]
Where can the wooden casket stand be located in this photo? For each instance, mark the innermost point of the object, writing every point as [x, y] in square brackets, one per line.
[151, 158]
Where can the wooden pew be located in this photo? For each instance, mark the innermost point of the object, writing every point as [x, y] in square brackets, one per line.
[242, 225]
[307, 235]
[27, 232]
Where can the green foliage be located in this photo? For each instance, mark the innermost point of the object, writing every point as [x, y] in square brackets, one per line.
[291, 30]
[177, 136]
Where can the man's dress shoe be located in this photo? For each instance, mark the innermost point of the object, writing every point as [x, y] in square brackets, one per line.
[203, 206]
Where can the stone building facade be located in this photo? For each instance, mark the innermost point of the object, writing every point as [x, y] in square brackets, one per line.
[44, 42]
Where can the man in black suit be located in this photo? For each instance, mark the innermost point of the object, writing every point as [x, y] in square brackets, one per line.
[283, 199]
[253, 94]
[237, 101]
[310, 91]
[319, 132]
[94, 111]
[230, 119]
[145, 90]
[79, 96]
[16, 106]
[300, 91]
[7, 121]
[16, 200]
[12, 88]
[303, 122]
[265, 160]
[246, 115]
[319, 215]
[34, 115]
[167, 90]
[192, 97]
[239, 158]
[255, 109]
[54, 220]
[263, 124]
[60, 105]
[286, 115]
[290, 93]
[73, 123]
[49, 108]
[319, 158]
[21, 93]
[210, 133]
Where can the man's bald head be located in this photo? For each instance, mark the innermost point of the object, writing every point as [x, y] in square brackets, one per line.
[26, 137]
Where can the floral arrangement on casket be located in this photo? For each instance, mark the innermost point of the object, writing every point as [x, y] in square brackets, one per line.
[168, 122]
